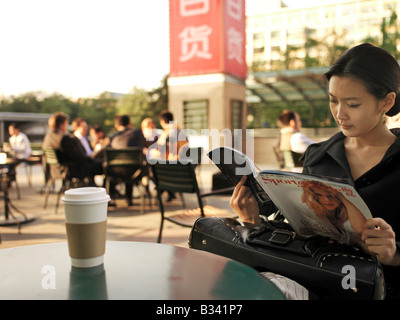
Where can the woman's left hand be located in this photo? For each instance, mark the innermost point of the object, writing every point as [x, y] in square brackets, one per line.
[379, 238]
[245, 204]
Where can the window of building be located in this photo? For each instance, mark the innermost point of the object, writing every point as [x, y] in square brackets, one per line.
[312, 16]
[258, 36]
[369, 23]
[258, 50]
[275, 35]
[237, 114]
[348, 10]
[195, 115]
[369, 8]
[330, 13]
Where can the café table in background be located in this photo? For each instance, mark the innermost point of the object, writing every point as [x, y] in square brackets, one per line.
[131, 270]
[6, 166]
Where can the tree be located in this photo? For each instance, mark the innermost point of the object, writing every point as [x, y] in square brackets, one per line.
[159, 99]
[309, 45]
[140, 104]
[57, 102]
[389, 37]
[100, 110]
[27, 102]
[134, 104]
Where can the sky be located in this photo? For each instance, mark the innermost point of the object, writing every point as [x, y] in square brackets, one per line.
[83, 47]
[80, 48]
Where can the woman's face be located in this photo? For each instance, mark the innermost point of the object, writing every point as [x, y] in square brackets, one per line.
[326, 200]
[356, 111]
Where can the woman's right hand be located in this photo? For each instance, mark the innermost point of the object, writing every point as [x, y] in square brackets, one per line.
[245, 204]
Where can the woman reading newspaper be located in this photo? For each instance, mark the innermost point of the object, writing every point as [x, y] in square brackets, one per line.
[364, 87]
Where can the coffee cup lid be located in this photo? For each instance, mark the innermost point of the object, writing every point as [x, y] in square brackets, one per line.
[86, 195]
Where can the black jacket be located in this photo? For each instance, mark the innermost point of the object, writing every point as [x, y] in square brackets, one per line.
[127, 138]
[379, 187]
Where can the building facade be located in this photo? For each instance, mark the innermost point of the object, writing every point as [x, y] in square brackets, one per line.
[283, 32]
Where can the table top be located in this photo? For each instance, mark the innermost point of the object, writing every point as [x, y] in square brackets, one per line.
[131, 270]
[10, 161]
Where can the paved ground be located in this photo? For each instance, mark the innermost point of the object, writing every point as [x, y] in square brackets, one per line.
[124, 223]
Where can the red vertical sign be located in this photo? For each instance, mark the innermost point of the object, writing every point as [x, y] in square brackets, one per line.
[207, 36]
[234, 38]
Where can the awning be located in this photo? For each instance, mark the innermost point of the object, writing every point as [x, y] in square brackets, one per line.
[288, 86]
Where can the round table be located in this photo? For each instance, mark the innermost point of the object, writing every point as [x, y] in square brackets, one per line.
[131, 270]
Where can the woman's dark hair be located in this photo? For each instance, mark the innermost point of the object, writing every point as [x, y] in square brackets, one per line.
[375, 67]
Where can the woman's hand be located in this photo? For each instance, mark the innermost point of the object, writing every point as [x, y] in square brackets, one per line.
[245, 204]
[379, 238]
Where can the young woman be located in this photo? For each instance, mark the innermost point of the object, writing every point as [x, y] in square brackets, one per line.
[364, 87]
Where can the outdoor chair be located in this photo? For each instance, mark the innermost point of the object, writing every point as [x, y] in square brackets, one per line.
[60, 172]
[34, 159]
[125, 166]
[181, 178]
[292, 159]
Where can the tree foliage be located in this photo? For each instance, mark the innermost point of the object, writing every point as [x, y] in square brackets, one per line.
[100, 110]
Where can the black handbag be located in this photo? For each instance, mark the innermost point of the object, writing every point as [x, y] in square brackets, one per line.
[328, 269]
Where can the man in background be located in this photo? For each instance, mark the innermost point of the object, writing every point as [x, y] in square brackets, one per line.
[291, 137]
[19, 143]
[80, 130]
[125, 137]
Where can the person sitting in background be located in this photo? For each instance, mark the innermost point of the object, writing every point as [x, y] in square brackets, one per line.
[393, 122]
[80, 130]
[168, 142]
[58, 125]
[125, 137]
[98, 139]
[290, 137]
[149, 132]
[70, 151]
[19, 143]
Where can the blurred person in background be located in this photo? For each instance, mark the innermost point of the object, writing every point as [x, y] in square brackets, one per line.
[20, 146]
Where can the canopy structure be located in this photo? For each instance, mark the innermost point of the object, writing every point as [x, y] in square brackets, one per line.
[288, 86]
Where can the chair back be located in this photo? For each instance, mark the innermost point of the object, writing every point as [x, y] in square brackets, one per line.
[175, 177]
[292, 159]
[123, 157]
[51, 156]
[123, 164]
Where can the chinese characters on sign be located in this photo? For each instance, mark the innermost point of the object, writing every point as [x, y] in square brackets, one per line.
[200, 43]
[194, 43]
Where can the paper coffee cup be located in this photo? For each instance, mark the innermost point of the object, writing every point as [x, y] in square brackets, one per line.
[86, 225]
